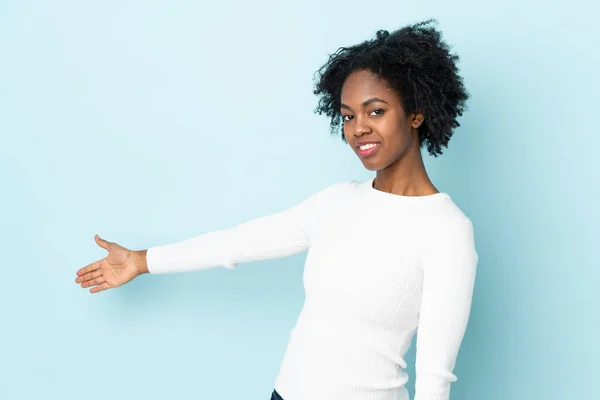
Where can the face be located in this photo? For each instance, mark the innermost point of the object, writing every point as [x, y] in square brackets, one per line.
[375, 119]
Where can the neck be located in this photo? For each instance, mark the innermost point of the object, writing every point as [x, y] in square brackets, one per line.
[407, 176]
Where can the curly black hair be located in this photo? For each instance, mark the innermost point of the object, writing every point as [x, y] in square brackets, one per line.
[413, 60]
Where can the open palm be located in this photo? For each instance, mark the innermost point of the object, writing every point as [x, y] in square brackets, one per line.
[116, 269]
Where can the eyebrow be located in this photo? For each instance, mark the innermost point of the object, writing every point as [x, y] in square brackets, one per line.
[366, 102]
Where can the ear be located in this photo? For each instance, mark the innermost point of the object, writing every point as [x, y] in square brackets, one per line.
[416, 120]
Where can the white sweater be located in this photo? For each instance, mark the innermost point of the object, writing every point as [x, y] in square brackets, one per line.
[378, 266]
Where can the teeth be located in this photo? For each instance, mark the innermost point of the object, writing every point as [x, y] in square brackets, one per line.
[368, 146]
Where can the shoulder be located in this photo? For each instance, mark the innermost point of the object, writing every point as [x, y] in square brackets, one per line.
[346, 186]
[336, 190]
[446, 218]
[448, 233]
[329, 198]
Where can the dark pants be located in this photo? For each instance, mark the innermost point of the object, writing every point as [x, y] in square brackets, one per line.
[276, 396]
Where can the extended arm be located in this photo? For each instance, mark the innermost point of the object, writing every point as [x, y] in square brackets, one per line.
[273, 236]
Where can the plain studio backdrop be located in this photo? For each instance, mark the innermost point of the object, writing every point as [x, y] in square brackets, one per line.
[152, 122]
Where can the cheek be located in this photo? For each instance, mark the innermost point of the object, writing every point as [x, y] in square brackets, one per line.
[390, 130]
[396, 136]
[346, 133]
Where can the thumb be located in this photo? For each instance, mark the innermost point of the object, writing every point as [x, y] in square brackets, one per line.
[102, 243]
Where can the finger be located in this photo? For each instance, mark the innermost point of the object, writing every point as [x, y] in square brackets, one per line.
[89, 268]
[95, 276]
[90, 275]
[93, 282]
[100, 288]
[103, 243]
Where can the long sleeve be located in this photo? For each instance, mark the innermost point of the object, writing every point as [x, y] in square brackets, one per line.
[277, 235]
[448, 283]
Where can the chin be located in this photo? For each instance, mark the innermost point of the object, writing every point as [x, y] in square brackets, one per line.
[372, 166]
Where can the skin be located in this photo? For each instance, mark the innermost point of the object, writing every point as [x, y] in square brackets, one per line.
[120, 266]
[398, 162]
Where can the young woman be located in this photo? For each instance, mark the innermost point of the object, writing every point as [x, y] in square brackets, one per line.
[386, 258]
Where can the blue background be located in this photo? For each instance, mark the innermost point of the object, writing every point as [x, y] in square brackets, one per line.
[151, 122]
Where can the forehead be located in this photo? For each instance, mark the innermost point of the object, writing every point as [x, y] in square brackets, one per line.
[361, 85]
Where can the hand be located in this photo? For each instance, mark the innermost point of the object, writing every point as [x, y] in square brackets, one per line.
[119, 267]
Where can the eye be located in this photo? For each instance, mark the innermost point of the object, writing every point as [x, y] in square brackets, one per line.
[378, 112]
[344, 117]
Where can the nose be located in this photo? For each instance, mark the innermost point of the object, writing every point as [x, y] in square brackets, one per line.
[361, 126]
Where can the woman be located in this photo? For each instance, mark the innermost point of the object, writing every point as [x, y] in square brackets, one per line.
[385, 256]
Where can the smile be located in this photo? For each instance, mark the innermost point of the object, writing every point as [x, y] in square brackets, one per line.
[368, 149]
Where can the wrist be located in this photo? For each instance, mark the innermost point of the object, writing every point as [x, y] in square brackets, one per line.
[139, 260]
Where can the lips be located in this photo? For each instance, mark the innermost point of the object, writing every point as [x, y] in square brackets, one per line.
[364, 142]
[369, 150]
